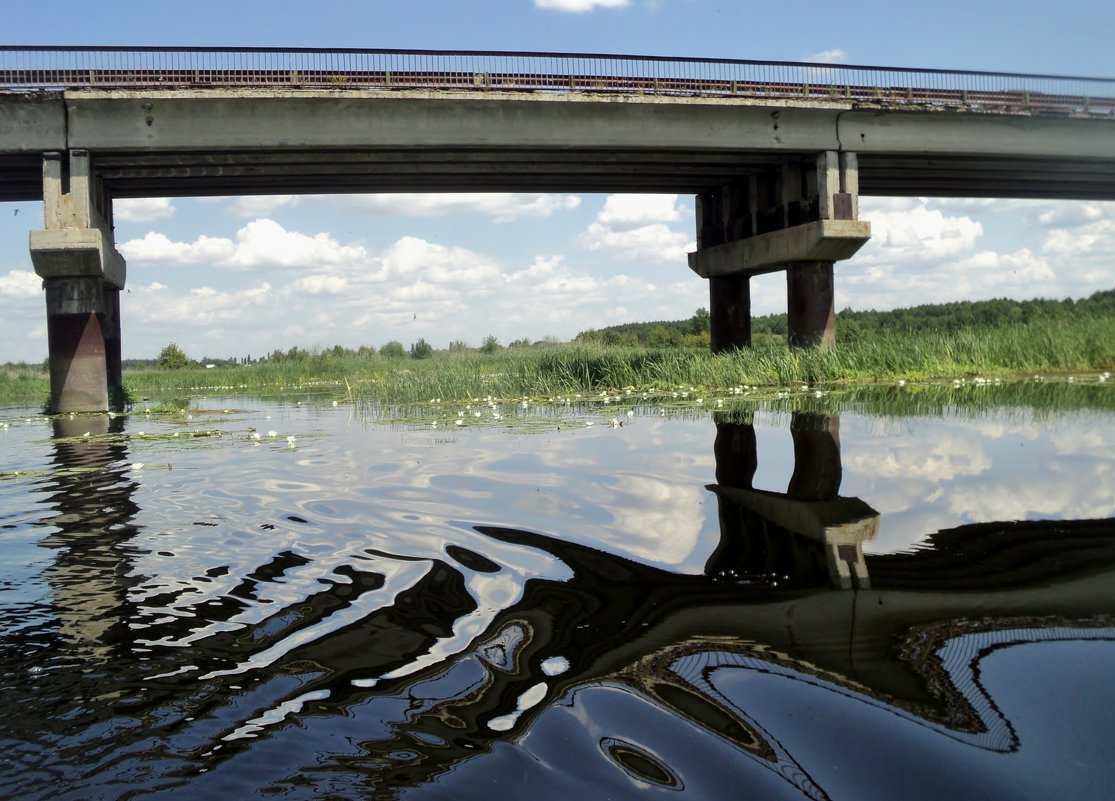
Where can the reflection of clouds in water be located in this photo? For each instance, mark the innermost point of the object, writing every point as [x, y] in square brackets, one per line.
[1080, 441]
[925, 474]
[657, 520]
[944, 458]
[1058, 492]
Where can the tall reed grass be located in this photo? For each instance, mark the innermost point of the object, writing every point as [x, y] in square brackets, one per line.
[1088, 344]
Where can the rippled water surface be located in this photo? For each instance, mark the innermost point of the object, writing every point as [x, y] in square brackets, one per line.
[844, 603]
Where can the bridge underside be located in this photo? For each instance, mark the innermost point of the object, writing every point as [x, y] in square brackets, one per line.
[273, 172]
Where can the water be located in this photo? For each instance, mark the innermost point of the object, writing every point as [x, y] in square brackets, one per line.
[560, 610]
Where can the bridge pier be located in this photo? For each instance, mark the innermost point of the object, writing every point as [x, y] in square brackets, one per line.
[801, 218]
[82, 274]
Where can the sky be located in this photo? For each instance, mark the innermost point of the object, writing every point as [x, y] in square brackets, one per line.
[235, 277]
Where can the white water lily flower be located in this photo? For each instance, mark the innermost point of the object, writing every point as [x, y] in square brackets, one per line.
[272, 434]
[290, 441]
[137, 466]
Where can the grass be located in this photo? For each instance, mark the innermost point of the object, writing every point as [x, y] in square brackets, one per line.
[1042, 347]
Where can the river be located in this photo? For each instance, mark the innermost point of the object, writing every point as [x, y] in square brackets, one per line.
[820, 596]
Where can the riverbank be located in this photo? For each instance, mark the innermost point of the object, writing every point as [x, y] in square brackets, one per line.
[1087, 345]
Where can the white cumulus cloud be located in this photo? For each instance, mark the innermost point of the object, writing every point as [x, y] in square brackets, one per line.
[832, 56]
[265, 243]
[579, 6]
[637, 227]
[142, 209]
[502, 206]
[259, 244]
[157, 248]
[20, 284]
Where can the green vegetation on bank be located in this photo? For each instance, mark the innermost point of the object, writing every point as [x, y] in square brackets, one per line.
[855, 325]
[1079, 339]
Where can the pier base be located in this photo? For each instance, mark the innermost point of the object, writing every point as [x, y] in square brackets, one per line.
[76, 345]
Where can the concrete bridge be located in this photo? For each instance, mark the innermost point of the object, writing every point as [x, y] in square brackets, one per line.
[777, 154]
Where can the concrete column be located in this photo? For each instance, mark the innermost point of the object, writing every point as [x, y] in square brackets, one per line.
[720, 218]
[811, 314]
[110, 327]
[78, 367]
[729, 313]
[75, 256]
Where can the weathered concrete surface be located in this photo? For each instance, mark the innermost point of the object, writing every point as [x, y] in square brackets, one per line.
[822, 240]
[64, 252]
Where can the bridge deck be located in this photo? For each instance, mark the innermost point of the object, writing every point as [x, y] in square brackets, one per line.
[193, 121]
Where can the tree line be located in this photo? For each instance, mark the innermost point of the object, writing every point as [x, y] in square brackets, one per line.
[852, 325]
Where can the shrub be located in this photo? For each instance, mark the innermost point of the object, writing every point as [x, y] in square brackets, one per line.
[172, 357]
[393, 350]
[421, 350]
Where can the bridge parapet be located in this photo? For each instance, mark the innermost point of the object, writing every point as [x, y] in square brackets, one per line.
[61, 67]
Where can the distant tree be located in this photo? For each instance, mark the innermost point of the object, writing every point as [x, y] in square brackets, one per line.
[421, 349]
[491, 345]
[700, 322]
[393, 350]
[173, 357]
[458, 346]
[519, 343]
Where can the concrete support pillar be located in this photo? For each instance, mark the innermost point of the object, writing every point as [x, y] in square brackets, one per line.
[729, 313]
[811, 313]
[83, 275]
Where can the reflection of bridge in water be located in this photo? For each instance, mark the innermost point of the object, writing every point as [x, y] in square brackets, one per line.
[911, 644]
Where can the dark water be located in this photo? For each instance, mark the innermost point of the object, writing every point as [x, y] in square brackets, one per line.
[864, 604]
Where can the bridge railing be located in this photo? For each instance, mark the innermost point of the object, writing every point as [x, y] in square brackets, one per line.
[60, 67]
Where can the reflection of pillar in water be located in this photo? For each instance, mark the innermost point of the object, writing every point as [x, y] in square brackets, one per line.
[807, 533]
[736, 453]
[91, 495]
[817, 469]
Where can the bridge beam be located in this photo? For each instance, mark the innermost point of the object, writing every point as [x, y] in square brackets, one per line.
[82, 274]
[801, 219]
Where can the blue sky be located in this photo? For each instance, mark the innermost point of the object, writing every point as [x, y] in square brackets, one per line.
[240, 276]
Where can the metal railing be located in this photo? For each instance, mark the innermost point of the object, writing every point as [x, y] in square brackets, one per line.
[62, 67]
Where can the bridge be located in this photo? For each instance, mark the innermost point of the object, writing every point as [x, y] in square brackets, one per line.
[777, 153]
